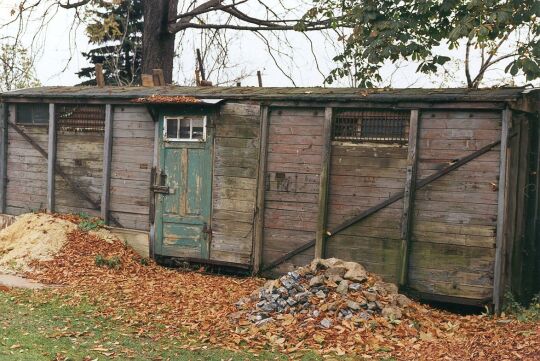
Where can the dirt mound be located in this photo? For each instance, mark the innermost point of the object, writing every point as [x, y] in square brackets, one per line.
[33, 236]
[327, 292]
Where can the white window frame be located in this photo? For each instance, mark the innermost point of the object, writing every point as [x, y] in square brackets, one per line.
[178, 119]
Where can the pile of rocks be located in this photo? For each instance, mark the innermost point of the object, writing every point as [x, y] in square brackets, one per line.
[326, 290]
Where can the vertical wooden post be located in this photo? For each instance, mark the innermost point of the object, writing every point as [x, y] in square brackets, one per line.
[259, 78]
[51, 159]
[408, 196]
[158, 77]
[261, 187]
[320, 237]
[100, 79]
[107, 159]
[3, 154]
[498, 284]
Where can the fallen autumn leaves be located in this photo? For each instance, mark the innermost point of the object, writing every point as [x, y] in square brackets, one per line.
[196, 308]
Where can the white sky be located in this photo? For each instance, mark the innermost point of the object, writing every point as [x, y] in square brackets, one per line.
[59, 58]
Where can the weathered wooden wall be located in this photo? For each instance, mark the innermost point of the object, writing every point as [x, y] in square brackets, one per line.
[454, 225]
[234, 182]
[454, 218]
[132, 157]
[361, 176]
[26, 170]
[292, 182]
[80, 156]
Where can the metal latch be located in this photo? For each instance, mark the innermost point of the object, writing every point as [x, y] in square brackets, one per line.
[206, 229]
[160, 189]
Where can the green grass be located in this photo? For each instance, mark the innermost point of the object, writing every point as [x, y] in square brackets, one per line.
[39, 326]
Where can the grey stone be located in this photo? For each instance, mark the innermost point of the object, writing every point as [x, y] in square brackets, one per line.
[261, 316]
[292, 292]
[316, 281]
[355, 306]
[326, 323]
[336, 271]
[291, 301]
[283, 292]
[316, 313]
[302, 297]
[355, 286]
[320, 294]
[343, 287]
[401, 300]
[264, 322]
[269, 307]
[370, 296]
[384, 288]
[287, 282]
[282, 303]
[295, 275]
[391, 313]
[372, 306]
[356, 274]
[335, 279]
[364, 315]
[299, 287]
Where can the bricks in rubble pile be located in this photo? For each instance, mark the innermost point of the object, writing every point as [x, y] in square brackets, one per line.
[326, 291]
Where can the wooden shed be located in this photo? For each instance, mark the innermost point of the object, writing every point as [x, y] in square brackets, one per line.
[435, 189]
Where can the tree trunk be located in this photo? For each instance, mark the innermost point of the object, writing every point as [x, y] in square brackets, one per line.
[158, 43]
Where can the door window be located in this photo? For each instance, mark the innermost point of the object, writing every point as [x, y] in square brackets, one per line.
[185, 129]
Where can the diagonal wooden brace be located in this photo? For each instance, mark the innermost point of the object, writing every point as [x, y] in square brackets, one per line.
[73, 184]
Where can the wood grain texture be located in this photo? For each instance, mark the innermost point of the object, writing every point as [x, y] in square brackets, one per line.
[131, 164]
[236, 164]
[296, 164]
[453, 233]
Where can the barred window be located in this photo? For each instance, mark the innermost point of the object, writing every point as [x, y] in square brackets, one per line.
[32, 114]
[371, 126]
[86, 118]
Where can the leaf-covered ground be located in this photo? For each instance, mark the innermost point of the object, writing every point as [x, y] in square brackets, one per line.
[116, 305]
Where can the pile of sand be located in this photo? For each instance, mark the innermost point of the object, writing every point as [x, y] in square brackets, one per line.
[33, 236]
[37, 237]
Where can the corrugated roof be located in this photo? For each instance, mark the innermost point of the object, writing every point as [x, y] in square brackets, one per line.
[270, 93]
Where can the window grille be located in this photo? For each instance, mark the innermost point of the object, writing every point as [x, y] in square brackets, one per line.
[33, 114]
[81, 118]
[371, 126]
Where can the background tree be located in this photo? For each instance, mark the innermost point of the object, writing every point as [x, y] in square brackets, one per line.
[502, 32]
[16, 68]
[117, 30]
[164, 19]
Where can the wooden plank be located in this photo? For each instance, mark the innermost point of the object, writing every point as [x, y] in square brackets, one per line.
[51, 159]
[3, 155]
[408, 197]
[261, 187]
[107, 159]
[322, 218]
[498, 287]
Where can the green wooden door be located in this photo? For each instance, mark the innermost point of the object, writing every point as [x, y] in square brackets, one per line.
[183, 187]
